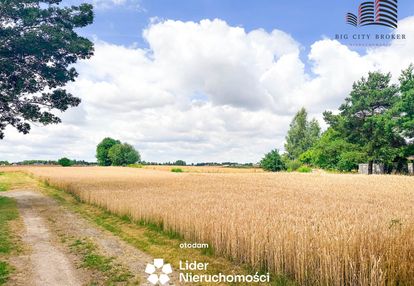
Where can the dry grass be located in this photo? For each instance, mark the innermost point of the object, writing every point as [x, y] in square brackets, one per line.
[320, 229]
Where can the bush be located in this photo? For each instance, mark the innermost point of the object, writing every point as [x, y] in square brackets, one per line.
[135, 165]
[349, 161]
[65, 162]
[293, 165]
[177, 170]
[273, 162]
[304, 169]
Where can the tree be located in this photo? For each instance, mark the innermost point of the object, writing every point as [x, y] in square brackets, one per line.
[364, 119]
[272, 161]
[180, 163]
[38, 47]
[405, 106]
[123, 154]
[102, 151]
[301, 135]
[65, 162]
[333, 152]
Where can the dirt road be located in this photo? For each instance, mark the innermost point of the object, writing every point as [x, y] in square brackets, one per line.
[49, 260]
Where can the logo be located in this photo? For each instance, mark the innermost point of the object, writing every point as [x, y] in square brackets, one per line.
[378, 12]
[158, 272]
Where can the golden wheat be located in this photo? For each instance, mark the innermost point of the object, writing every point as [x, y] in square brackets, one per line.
[319, 229]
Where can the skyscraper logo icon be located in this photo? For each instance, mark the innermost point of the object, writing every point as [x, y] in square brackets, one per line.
[378, 12]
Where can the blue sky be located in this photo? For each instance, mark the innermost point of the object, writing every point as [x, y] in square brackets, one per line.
[307, 21]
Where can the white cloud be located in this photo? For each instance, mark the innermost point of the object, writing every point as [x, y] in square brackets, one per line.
[203, 92]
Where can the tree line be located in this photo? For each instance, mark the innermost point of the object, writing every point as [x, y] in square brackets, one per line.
[374, 124]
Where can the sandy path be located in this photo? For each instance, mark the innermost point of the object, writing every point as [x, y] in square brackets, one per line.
[50, 265]
[49, 261]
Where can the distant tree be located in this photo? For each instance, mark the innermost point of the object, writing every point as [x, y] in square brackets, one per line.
[123, 154]
[4, 163]
[38, 46]
[301, 135]
[65, 162]
[102, 151]
[272, 161]
[180, 163]
[365, 120]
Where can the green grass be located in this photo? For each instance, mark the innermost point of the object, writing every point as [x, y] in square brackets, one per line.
[10, 180]
[92, 259]
[4, 187]
[177, 170]
[8, 212]
[5, 271]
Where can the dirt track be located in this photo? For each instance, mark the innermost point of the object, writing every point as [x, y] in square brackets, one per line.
[48, 260]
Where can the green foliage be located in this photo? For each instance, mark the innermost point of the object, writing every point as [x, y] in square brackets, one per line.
[102, 151]
[405, 106]
[348, 161]
[38, 49]
[292, 165]
[123, 154]
[333, 152]
[272, 161]
[65, 162]
[177, 170]
[304, 169]
[301, 135]
[180, 163]
[135, 165]
[4, 163]
[366, 120]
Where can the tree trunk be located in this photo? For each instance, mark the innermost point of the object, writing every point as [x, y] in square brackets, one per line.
[370, 167]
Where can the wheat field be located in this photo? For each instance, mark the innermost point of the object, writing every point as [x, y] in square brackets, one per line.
[319, 229]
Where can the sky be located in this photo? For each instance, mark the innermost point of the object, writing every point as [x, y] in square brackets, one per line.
[207, 81]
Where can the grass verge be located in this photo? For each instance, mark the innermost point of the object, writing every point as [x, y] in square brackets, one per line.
[8, 213]
[5, 271]
[113, 273]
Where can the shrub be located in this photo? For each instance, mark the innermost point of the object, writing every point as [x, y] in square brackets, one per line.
[349, 161]
[135, 165]
[293, 165]
[65, 162]
[272, 161]
[304, 169]
[177, 170]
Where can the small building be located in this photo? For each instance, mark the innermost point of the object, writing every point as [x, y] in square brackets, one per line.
[377, 169]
